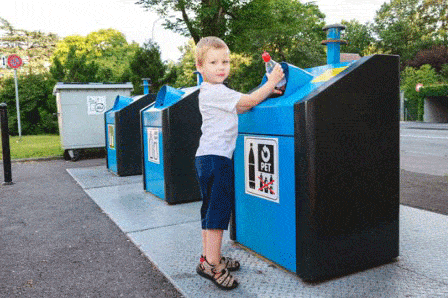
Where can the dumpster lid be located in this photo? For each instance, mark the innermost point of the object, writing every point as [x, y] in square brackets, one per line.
[77, 86]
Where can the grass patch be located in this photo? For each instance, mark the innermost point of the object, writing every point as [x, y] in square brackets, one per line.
[34, 146]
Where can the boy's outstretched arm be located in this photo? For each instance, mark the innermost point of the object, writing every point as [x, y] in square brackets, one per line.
[248, 101]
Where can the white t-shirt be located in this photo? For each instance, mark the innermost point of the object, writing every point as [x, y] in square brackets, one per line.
[217, 105]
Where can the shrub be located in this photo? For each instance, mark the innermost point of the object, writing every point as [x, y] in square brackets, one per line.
[436, 56]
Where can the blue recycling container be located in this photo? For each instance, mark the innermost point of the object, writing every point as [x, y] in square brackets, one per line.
[171, 129]
[317, 169]
[123, 139]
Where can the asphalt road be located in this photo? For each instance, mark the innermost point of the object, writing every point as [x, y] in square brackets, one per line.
[424, 166]
[56, 242]
[424, 149]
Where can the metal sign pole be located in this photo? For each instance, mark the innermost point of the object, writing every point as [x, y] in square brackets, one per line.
[17, 102]
[15, 62]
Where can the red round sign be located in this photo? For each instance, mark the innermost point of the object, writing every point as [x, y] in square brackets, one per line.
[418, 87]
[14, 61]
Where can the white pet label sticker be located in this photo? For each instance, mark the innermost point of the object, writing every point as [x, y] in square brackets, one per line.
[153, 144]
[261, 167]
[96, 105]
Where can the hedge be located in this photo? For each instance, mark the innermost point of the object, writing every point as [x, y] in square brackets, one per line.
[436, 90]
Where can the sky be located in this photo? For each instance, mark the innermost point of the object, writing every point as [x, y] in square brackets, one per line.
[68, 17]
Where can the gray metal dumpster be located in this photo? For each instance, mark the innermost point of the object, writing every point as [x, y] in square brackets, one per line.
[81, 110]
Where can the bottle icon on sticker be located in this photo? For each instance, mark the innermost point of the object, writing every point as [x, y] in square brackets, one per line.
[251, 167]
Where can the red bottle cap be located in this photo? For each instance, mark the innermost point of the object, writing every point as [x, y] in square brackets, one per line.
[266, 57]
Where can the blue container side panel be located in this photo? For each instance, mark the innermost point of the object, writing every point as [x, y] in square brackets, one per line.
[111, 148]
[265, 226]
[153, 161]
[110, 117]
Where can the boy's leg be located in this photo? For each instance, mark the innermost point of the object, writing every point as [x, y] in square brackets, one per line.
[213, 246]
[204, 242]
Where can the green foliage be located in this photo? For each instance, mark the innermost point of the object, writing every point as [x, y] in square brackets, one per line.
[146, 63]
[434, 16]
[37, 104]
[196, 18]
[289, 30]
[358, 36]
[425, 75]
[404, 27]
[75, 69]
[186, 66]
[435, 90]
[444, 71]
[101, 56]
[34, 47]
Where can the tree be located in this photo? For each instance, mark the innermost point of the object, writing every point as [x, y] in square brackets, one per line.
[289, 30]
[410, 77]
[358, 36]
[434, 15]
[37, 104]
[34, 47]
[436, 56]
[6, 26]
[195, 18]
[105, 52]
[147, 63]
[75, 69]
[404, 27]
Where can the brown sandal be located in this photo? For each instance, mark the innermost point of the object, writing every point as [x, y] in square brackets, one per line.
[231, 264]
[218, 274]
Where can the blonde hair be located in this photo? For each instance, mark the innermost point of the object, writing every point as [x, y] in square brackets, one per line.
[207, 43]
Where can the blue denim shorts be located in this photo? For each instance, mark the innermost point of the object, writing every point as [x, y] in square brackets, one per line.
[216, 181]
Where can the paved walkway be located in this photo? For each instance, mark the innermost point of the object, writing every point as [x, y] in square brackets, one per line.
[170, 235]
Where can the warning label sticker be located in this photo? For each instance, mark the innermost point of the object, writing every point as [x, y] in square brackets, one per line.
[153, 144]
[111, 135]
[96, 105]
[261, 167]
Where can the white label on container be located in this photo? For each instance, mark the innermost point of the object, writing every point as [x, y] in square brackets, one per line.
[153, 144]
[111, 135]
[261, 167]
[96, 105]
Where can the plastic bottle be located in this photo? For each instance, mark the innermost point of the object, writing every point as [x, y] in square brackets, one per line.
[270, 64]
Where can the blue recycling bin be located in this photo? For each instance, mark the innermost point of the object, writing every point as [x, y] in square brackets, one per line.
[317, 169]
[171, 129]
[123, 139]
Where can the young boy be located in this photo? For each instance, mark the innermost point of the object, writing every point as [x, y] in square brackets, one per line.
[219, 107]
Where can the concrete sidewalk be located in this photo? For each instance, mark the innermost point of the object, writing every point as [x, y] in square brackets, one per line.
[169, 236]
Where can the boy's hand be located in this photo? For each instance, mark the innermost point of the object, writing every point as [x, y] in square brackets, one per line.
[276, 75]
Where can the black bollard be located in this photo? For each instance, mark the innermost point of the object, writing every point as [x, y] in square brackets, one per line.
[5, 144]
